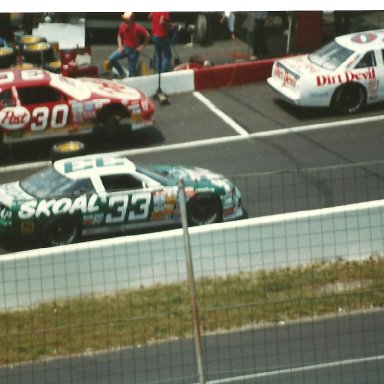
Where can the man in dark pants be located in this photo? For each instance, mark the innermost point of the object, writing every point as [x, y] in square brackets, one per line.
[259, 45]
[161, 40]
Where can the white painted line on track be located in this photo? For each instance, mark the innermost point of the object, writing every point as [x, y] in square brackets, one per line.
[213, 141]
[239, 129]
[298, 369]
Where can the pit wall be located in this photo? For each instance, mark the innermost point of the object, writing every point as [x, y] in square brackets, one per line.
[105, 266]
[190, 80]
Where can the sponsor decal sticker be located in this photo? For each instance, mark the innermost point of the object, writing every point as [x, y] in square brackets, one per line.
[14, 118]
[345, 77]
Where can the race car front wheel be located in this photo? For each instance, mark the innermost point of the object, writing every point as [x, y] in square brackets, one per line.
[204, 209]
[350, 98]
[61, 230]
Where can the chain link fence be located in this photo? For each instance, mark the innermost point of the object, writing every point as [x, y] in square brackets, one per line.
[279, 298]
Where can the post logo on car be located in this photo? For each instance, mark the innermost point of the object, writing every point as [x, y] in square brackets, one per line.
[14, 118]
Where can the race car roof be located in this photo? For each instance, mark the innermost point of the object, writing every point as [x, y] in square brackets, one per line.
[362, 41]
[85, 166]
[18, 76]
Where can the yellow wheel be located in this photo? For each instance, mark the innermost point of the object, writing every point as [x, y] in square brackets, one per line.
[67, 149]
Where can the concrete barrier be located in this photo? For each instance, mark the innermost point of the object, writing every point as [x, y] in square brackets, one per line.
[190, 80]
[101, 267]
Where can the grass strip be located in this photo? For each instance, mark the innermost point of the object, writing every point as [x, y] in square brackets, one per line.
[141, 316]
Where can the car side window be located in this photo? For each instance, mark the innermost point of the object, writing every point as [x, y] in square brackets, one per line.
[38, 95]
[83, 186]
[121, 182]
[6, 99]
[368, 60]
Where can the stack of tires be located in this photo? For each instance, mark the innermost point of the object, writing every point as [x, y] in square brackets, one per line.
[37, 51]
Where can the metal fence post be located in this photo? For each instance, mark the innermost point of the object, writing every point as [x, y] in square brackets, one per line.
[191, 282]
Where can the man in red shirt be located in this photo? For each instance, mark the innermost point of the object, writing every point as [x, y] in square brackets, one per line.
[161, 40]
[131, 40]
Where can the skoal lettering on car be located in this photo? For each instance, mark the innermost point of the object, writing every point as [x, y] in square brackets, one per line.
[122, 206]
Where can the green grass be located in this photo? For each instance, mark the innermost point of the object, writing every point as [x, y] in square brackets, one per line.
[137, 317]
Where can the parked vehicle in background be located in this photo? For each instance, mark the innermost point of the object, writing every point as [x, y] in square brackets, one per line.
[344, 74]
[101, 194]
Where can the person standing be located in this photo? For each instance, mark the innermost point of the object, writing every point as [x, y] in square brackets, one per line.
[230, 19]
[131, 40]
[259, 46]
[161, 40]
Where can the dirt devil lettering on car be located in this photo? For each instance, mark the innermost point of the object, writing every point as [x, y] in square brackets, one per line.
[288, 80]
[345, 77]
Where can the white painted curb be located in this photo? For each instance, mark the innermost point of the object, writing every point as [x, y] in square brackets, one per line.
[170, 82]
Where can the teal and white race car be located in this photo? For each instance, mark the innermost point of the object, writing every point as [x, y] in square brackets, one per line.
[101, 194]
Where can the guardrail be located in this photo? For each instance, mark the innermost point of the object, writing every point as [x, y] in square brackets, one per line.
[352, 231]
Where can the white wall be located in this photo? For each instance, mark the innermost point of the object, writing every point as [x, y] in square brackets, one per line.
[352, 231]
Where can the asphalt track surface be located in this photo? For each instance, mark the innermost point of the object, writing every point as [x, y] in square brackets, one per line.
[247, 133]
[282, 158]
[342, 349]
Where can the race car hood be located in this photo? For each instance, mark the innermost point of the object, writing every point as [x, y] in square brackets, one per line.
[300, 65]
[192, 175]
[84, 88]
[112, 89]
[11, 193]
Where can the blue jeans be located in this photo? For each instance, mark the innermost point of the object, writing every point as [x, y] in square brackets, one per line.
[163, 53]
[132, 56]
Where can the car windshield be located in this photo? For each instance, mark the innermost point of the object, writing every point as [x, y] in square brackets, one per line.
[49, 183]
[330, 56]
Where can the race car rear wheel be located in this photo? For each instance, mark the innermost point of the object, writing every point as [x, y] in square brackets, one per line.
[61, 230]
[350, 98]
[204, 209]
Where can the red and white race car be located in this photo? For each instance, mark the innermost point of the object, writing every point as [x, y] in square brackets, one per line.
[36, 104]
[345, 74]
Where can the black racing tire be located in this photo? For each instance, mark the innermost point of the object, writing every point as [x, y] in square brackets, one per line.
[61, 230]
[28, 39]
[202, 27]
[204, 209]
[109, 126]
[24, 66]
[349, 98]
[7, 57]
[39, 53]
[53, 66]
[67, 149]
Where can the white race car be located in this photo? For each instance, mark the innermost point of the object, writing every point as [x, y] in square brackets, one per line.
[346, 74]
